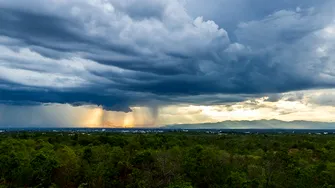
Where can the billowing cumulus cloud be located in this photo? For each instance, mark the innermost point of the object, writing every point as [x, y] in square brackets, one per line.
[150, 53]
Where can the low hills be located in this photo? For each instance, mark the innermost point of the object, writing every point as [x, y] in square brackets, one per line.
[256, 124]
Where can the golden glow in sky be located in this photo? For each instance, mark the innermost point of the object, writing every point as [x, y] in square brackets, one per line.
[93, 118]
[128, 121]
[312, 105]
[286, 109]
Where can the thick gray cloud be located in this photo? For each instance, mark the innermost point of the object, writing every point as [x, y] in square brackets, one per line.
[229, 14]
[122, 53]
[324, 99]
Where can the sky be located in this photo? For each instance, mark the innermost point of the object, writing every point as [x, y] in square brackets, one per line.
[148, 63]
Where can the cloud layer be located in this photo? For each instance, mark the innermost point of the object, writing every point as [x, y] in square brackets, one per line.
[118, 54]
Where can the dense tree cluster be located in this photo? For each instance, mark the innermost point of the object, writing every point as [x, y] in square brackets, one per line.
[172, 160]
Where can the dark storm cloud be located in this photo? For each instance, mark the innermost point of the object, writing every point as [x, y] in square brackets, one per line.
[33, 26]
[53, 33]
[116, 102]
[117, 54]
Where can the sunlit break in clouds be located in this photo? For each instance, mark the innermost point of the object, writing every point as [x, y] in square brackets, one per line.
[93, 118]
[149, 63]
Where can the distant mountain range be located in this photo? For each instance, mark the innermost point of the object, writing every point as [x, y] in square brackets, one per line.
[257, 124]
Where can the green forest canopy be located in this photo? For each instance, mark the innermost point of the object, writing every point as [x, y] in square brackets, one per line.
[172, 160]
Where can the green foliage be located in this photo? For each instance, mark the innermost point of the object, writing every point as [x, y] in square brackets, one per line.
[171, 160]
